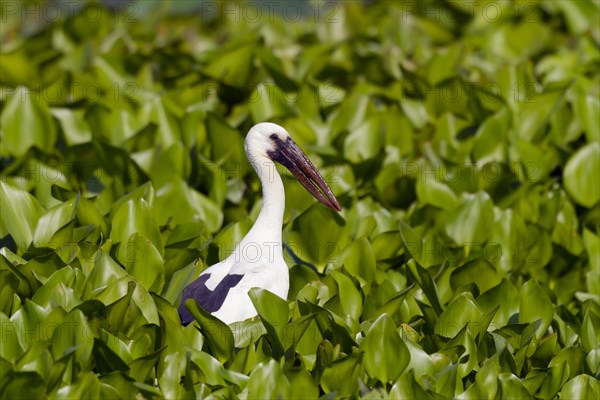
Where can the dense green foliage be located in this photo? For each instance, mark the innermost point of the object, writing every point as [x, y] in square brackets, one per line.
[461, 138]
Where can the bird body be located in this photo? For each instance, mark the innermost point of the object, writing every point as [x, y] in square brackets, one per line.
[257, 261]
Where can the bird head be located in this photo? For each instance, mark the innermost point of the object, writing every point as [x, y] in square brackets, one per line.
[270, 142]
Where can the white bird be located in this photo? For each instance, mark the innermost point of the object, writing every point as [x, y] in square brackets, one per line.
[257, 261]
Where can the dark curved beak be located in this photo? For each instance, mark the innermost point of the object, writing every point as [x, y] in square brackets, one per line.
[288, 154]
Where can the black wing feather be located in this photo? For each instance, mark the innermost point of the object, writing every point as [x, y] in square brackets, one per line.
[210, 300]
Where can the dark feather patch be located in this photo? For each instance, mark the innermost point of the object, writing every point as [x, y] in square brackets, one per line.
[210, 300]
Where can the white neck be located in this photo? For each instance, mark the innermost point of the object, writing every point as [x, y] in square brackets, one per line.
[267, 227]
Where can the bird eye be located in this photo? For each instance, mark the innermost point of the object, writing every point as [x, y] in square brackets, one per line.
[274, 136]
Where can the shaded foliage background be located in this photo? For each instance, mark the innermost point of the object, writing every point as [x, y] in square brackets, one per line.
[461, 138]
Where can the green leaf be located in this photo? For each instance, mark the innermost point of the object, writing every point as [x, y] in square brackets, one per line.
[302, 385]
[87, 384]
[20, 214]
[378, 361]
[58, 291]
[590, 336]
[510, 387]
[471, 220]
[535, 305]
[273, 312]
[232, 65]
[438, 194]
[269, 102]
[341, 376]
[581, 387]
[74, 126]
[217, 334]
[177, 202]
[350, 297]
[412, 242]
[107, 360]
[52, 221]
[359, 260]
[581, 173]
[132, 217]
[479, 271]
[142, 260]
[364, 142]
[23, 385]
[11, 349]
[26, 122]
[460, 312]
[267, 381]
[72, 333]
[315, 236]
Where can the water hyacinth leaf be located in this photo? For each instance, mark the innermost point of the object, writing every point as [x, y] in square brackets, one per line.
[269, 102]
[471, 219]
[425, 280]
[448, 382]
[315, 235]
[73, 333]
[57, 290]
[359, 260]
[510, 387]
[179, 203]
[587, 111]
[162, 113]
[581, 173]
[349, 115]
[234, 65]
[407, 387]
[590, 337]
[231, 236]
[178, 282]
[377, 360]
[330, 328]
[478, 271]
[412, 242]
[173, 372]
[136, 216]
[364, 142]
[142, 367]
[217, 334]
[26, 122]
[302, 385]
[23, 385]
[105, 271]
[581, 387]
[142, 260]
[20, 214]
[184, 233]
[350, 297]
[556, 376]
[88, 214]
[535, 305]
[592, 246]
[106, 359]
[142, 299]
[341, 376]
[461, 312]
[387, 245]
[267, 381]
[273, 312]
[488, 148]
[11, 350]
[438, 194]
[87, 384]
[74, 126]
[144, 191]
[52, 221]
